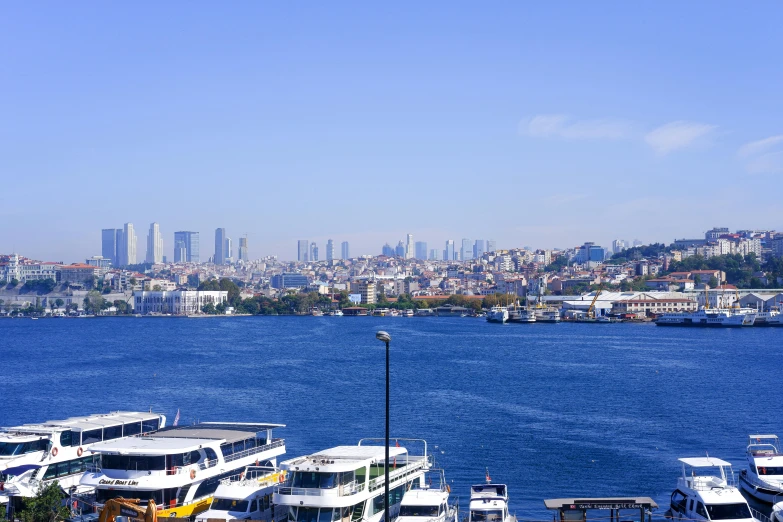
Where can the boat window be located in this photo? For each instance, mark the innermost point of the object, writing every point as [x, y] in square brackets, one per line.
[314, 480]
[690, 505]
[678, 501]
[700, 510]
[10, 449]
[229, 504]
[266, 502]
[112, 432]
[195, 456]
[211, 455]
[347, 477]
[65, 438]
[490, 515]
[91, 437]
[133, 428]
[768, 470]
[418, 511]
[133, 462]
[209, 485]
[395, 496]
[150, 425]
[728, 511]
[325, 515]
[306, 514]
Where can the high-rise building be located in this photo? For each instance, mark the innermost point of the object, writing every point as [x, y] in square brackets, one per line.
[186, 247]
[346, 254]
[329, 250]
[448, 254]
[491, 245]
[590, 252]
[126, 249]
[434, 255]
[466, 252]
[220, 247]
[479, 248]
[409, 246]
[421, 250]
[313, 251]
[399, 251]
[303, 251]
[154, 244]
[228, 251]
[618, 245]
[387, 250]
[109, 245]
[243, 249]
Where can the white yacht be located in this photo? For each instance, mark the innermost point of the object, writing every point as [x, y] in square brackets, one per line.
[715, 317]
[246, 496]
[181, 467]
[346, 483]
[521, 314]
[428, 503]
[497, 314]
[338, 313]
[489, 503]
[35, 454]
[763, 479]
[777, 512]
[708, 495]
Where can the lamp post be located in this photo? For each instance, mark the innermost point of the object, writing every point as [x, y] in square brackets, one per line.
[386, 338]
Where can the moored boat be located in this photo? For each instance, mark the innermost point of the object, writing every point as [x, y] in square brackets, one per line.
[246, 496]
[489, 503]
[497, 314]
[428, 503]
[763, 478]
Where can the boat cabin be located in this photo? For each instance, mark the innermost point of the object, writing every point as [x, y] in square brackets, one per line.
[706, 491]
[621, 509]
[488, 503]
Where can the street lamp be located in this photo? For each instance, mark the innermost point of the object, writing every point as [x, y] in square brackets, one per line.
[386, 338]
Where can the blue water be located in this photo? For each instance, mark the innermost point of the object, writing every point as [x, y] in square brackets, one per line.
[552, 410]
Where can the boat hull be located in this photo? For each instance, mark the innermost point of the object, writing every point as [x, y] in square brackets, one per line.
[760, 492]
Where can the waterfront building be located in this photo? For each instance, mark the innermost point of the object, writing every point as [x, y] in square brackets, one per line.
[220, 247]
[329, 250]
[466, 252]
[409, 246]
[287, 280]
[177, 302]
[345, 251]
[126, 248]
[448, 253]
[154, 244]
[186, 247]
[27, 271]
[421, 250]
[303, 251]
[243, 249]
[109, 239]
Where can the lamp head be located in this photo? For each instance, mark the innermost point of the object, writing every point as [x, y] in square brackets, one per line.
[383, 336]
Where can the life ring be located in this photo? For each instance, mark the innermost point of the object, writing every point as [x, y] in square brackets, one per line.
[281, 478]
[79, 452]
[192, 474]
[54, 452]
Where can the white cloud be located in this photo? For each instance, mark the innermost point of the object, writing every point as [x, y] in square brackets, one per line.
[757, 147]
[770, 163]
[561, 126]
[677, 135]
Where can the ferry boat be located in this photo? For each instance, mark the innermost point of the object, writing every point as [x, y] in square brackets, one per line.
[709, 496]
[179, 468]
[32, 455]
[521, 315]
[346, 483]
[547, 315]
[771, 317]
[709, 317]
[497, 314]
[428, 503]
[763, 479]
[246, 496]
[489, 503]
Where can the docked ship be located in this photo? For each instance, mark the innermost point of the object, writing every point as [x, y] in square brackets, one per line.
[346, 483]
[709, 495]
[180, 468]
[245, 496]
[710, 317]
[428, 503]
[521, 314]
[547, 314]
[497, 314]
[489, 503]
[763, 479]
[32, 455]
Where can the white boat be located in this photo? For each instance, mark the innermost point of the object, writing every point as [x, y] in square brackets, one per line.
[497, 314]
[181, 467]
[346, 483]
[710, 317]
[547, 315]
[32, 455]
[771, 317]
[408, 312]
[246, 496]
[316, 312]
[489, 503]
[763, 479]
[777, 512]
[428, 503]
[337, 313]
[706, 491]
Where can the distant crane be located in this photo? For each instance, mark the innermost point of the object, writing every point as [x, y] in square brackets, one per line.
[591, 310]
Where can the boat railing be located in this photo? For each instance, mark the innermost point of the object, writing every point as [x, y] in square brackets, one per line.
[414, 466]
[261, 475]
[242, 454]
[758, 515]
[708, 482]
[342, 490]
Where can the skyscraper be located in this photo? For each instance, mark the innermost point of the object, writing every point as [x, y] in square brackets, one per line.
[345, 251]
[421, 250]
[228, 251]
[400, 250]
[220, 246]
[109, 245]
[434, 255]
[329, 250]
[126, 249]
[313, 251]
[448, 254]
[303, 251]
[491, 245]
[479, 248]
[186, 247]
[243, 249]
[409, 246]
[387, 250]
[154, 244]
[466, 252]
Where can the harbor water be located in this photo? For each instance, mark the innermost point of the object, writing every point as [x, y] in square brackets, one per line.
[553, 410]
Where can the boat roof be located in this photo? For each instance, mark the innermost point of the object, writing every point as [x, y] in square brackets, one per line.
[424, 497]
[600, 503]
[762, 436]
[704, 462]
[343, 458]
[83, 423]
[489, 491]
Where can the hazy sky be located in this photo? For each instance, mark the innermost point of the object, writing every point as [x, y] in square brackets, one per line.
[531, 123]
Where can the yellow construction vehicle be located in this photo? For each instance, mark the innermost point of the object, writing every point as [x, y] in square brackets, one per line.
[591, 310]
[128, 507]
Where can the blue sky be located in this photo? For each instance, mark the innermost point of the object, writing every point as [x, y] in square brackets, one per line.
[542, 124]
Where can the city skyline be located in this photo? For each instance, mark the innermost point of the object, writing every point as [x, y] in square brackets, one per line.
[571, 125]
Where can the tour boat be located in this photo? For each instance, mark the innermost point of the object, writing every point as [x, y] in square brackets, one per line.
[547, 315]
[520, 314]
[428, 503]
[179, 468]
[32, 455]
[714, 317]
[497, 314]
[246, 496]
[763, 479]
[489, 503]
[346, 483]
[708, 496]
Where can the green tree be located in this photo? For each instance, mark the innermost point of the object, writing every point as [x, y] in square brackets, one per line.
[14, 282]
[209, 309]
[59, 302]
[94, 302]
[713, 282]
[45, 506]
